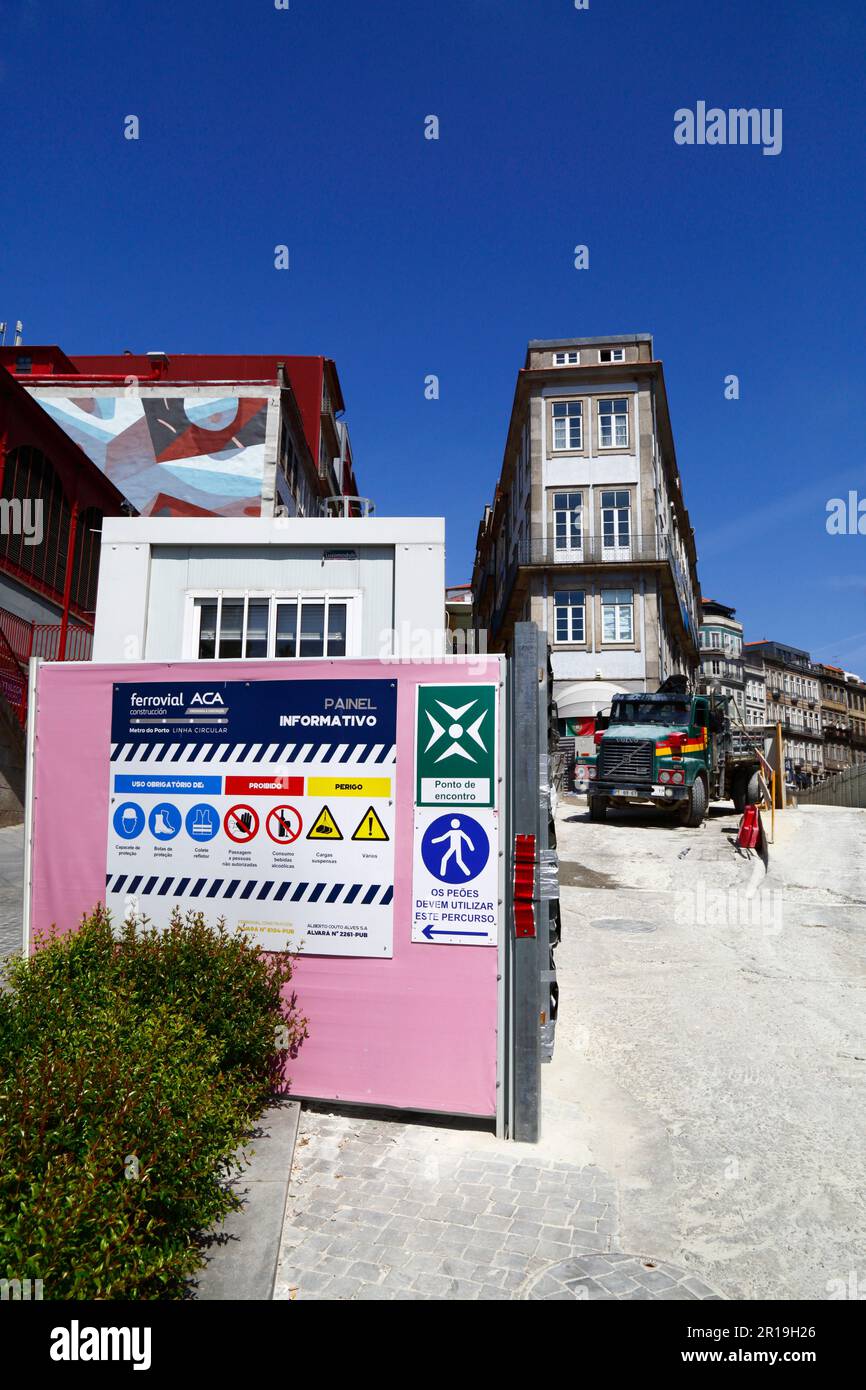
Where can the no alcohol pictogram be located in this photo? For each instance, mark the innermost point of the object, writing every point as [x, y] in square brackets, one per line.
[284, 824]
[241, 824]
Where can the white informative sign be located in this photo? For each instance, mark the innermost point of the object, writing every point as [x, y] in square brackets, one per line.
[270, 804]
[455, 872]
[455, 879]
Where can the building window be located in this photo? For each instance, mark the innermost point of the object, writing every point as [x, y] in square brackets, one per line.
[568, 425]
[566, 359]
[611, 355]
[273, 625]
[617, 623]
[569, 609]
[615, 523]
[613, 424]
[567, 520]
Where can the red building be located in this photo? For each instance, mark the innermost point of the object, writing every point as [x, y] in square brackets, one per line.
[52, 501]
[201, 434]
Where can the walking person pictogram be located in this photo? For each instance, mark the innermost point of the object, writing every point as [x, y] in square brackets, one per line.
[454, 837]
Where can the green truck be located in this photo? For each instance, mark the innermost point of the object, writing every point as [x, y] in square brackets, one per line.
[677, 750]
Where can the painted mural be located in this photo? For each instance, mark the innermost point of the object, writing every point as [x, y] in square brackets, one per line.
[175, 455]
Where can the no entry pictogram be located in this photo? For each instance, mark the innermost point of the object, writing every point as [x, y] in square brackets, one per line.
[241, 824]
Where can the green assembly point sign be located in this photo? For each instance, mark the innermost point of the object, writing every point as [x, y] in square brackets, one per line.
[455, 745]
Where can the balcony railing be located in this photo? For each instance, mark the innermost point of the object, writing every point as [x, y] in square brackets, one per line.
[728, 670]
[344, 505]
[539, 550]
[593, 550]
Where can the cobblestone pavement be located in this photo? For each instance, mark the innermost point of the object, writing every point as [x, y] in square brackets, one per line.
[11, 888]
[380, 1209]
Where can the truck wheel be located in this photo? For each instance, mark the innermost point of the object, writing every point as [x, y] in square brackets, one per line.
[738, 793]
[753, 788]
[696, 806]
[597, 807]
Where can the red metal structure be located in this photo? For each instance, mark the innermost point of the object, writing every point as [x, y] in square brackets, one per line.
[52, 501]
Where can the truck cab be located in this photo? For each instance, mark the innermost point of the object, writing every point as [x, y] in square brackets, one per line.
[673, 749]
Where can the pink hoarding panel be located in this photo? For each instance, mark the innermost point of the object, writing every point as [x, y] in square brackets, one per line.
[416, 1031]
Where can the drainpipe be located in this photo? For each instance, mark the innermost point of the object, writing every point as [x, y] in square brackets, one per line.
[67, 583]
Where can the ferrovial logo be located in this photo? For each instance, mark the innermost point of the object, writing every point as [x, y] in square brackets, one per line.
[77, 1343]
[737, 126]
[207, 697]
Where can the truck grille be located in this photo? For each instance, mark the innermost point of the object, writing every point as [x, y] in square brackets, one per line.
[625, 760]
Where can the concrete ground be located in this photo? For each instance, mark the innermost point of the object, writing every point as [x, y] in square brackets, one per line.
[702, 1114]
[711, 1049]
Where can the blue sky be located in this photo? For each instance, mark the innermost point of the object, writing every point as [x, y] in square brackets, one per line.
[411, 257]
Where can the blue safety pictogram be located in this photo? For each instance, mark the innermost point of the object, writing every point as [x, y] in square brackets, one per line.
[164, 821]
[129, 820]
[202, 822]
[455, 848]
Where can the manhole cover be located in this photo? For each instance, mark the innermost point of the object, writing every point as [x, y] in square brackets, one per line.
[616, 1276]
[632, 925]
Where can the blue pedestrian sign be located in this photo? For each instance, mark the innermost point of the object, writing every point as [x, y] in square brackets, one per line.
[455, 877]
[455, 848]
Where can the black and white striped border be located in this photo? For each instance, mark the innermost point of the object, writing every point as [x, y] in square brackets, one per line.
[215, 754]
[246, 890]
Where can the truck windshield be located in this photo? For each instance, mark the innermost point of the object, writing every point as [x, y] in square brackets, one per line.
[668, 712]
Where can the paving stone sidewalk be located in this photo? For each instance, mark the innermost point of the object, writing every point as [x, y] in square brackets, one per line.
[11, 888]
[379, 1209]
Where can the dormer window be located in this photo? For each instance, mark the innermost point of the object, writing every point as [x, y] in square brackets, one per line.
[611, 355]
[566, 359]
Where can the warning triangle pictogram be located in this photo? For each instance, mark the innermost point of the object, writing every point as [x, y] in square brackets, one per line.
[370, 827]
[324, 827]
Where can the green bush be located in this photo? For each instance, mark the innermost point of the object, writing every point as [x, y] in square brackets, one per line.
[131, 1067]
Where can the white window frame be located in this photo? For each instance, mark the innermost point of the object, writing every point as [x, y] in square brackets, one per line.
[570, 358]
[616, 354]
[614, 417]
[567, 448]
[575, 548]
[616, 550]
[570, 609]
[618, 605]
[192, 618]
